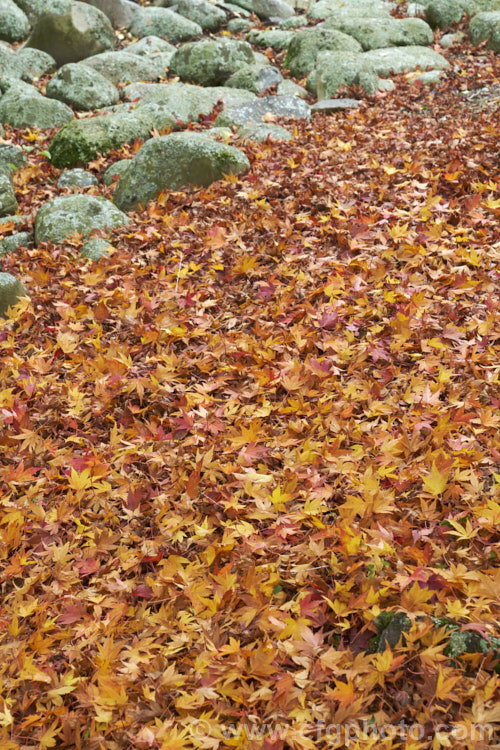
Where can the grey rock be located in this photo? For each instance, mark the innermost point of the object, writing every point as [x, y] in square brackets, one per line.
[36, 8]
[202, 12]
[255, 78]
[267, 9]
[22, 106]
[337, 69]
[164, 23]
[82, 88]
[294, 22]
[14, 24]
[261, 131]
[324, 8]
[486, 27]
[82, 140]
[67, 215]
[374, 33]
[427, 78]
[442, 13]
[8, 202]
[305, 46]
[220, 134]
[119, 12]
[150, 45]
[289, 88]
[289, 107]
[76, 178]
[11, 291]
[274, 38]
[391, 627]
[26, 64]
[12, 157]
[14, 241]
[237, 25]
[398, 59]
[448, 40]
[73, 33]
[174, 161]
[326, 106]
[114, 172]
[96, 248]
[210, 62]
[122, 67]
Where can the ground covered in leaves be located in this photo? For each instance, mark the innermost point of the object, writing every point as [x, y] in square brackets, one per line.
[268, 420]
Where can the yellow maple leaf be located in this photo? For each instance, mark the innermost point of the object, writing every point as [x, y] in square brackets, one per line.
[436, 482]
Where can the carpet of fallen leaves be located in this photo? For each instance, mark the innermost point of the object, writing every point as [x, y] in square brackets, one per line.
[270, 415]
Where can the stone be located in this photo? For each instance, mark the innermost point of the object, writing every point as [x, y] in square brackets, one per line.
[150, 45]
[27, 64]
[237, 25]
[202, 12]
[119, 12]
[442, 13]
[374, 33]
[294, 22]
[255, 78]
[94, 249]
[122, 67]
[427, 78]
[448, 40]
[72, 33]
[400, 59]
[164, 23]
[22, 106]
[36, 8]
[210, 62]
[12, 157]
[8, 202]
[266, 9]
[174, 161]
[114, 172]
[14, 24]
[326, 106]
[391, 629]
[82, 88]
[14, 241]
[68, 215]
[11, 291]
[485, 27]
[261, 131]
[305, 46]
[289, 107]
[286, 87]
[76, 178]
[82, 140]
[275, 38]
[224, 134]
[324, 8]
[337, 69]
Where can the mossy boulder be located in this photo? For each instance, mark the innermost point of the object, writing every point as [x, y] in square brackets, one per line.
[363, 8]
[255, 78]
[82, 140]
[14, 24]
[123, 67]
[12, 157]
[27, 64]
[485, 27]
[82, 88]
[400, 59]
[306, 44]
[8, 202]
[374, 33]
[22, 106]
[174, 161]
[164, 23]
[11, 291]
[67, 215]
[205, 14]
[72, 33]
[212, 61]
[337, 69]
[288, 107]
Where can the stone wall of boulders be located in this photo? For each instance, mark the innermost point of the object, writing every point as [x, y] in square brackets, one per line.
[177, 60]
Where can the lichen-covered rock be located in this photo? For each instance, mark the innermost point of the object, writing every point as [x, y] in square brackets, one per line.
[274, 38]
[337, 69]
[72, 33]
[286, 87]
[12, 157]
[82, 88]
[11, 291]
[173, 161]
[27, 64]
[261, 131]
[391, 629]
[8, 202]
[486, 27]
[150, 45]
[374, 33]
[11, 243]
[237, 25]
[442, 13]
[202, 12]
[212, 61]
[114, 172]
[36, 8]
[14, 24]
[164, 23]
[22, 106]
[324, 8]
[398, 59]
[290, 107]
[255, 78]
[119, 12]
[123, 67]
[82, 140]
[267, 9]
[306, 44]
[67, 215]
[96, 248]
[76, 178]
